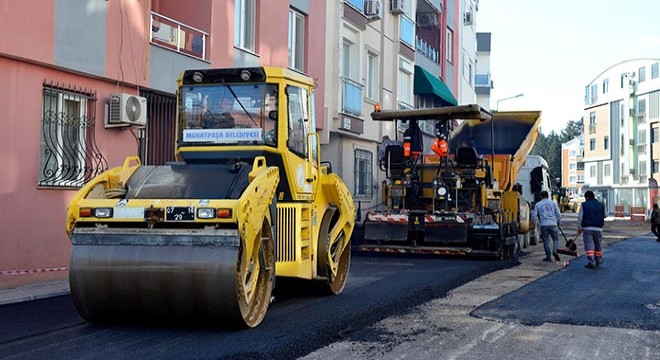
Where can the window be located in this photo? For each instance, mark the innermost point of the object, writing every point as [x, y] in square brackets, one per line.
[623, 78]
[623, 146]
[407, 34]
[571, 166]
[350, 71]
[642, 168]
[592, 144]
[641, 107]
[373, 75]
[68, 152]
[449, 46]
[594, 94]
[606, 142]
[655, 132]
[655, 166]
[642, 74]
[580, 179]
[571, 179]
[405, 83]
[592, 171]
[296, 40]
[298, 116]
[607, 170]
[572, 153]
[592, 122]
[654, 71]
[580, 165]
[467, 66]
[363, 177]
[606, 86]
[244, 24]
[641, 139]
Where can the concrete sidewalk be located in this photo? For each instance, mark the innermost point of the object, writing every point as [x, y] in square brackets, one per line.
[34, 291]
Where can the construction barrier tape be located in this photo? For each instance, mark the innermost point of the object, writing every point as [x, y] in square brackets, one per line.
[32, 271]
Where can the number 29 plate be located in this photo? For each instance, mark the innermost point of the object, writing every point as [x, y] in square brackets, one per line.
[180, 213]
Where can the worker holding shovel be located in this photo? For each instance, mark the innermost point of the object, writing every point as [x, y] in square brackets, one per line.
[549, 216]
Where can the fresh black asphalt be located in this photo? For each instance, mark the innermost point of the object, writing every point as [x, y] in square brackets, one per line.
[624, 292]
[297, 323]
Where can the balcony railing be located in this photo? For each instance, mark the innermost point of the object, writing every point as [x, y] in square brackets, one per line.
[177, 36]
[351, 96]
[426, 49]
[483, 80]
[358, 4]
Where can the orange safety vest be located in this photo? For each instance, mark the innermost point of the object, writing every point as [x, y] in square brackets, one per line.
[440, 147]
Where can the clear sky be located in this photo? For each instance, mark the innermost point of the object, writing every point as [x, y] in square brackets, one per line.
[550, 50]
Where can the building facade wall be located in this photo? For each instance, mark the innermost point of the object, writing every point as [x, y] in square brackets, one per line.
[623, 97]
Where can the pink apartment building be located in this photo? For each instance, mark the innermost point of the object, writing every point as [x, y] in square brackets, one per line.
[60, 62]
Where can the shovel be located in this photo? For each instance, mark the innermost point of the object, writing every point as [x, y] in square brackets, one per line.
[571, 246]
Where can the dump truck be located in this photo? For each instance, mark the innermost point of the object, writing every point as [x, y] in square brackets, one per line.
[534, 178]
[461, 199]
[203, 239]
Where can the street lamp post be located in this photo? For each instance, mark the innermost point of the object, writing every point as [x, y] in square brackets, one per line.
[497, 106]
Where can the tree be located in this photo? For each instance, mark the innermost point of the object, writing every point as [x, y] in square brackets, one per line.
[549, 146]
[573, 129]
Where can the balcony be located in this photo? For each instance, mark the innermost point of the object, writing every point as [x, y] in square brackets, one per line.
[351, 97]
[178, 37]
[427, 50]
[483, 84]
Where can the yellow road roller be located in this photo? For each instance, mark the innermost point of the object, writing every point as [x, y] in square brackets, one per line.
[202, 239]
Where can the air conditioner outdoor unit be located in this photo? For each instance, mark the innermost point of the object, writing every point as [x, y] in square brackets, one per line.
[428, 20]
[126, 110]
[396, 7]
[372, 9]
[468, 18]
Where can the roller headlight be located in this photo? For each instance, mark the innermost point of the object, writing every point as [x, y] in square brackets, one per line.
[205, 213]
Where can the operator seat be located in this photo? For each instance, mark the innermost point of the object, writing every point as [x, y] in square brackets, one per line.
[395, 161]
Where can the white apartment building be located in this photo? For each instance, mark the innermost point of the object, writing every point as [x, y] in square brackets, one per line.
[621, 143]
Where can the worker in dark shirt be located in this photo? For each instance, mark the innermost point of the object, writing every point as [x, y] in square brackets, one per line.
[591, 220]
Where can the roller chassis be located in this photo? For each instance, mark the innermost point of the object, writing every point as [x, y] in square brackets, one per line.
[202, 240]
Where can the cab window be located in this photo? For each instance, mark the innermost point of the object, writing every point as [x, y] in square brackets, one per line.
[298, 120]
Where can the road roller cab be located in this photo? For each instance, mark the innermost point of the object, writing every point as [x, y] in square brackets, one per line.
[203, 238]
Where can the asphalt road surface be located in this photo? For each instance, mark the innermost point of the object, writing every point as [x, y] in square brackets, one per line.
[297, 323]
[624, 292]
[537, 310]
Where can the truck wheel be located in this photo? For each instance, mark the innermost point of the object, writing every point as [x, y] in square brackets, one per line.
[334, 255]
[256, 274]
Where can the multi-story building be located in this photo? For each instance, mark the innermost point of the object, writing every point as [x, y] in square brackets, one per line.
[468, 45]
[394, 57]
[621, 143]
[572, 165]
[64, 61]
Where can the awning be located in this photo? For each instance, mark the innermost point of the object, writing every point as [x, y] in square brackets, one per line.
[427, 83]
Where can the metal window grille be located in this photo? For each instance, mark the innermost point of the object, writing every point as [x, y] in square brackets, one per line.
[363, 173]
[69, 155]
